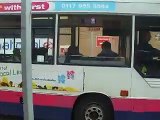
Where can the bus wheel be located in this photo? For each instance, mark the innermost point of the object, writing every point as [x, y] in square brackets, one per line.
[93, 109]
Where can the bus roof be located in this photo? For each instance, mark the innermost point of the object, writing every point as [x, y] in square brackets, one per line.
[131, 1]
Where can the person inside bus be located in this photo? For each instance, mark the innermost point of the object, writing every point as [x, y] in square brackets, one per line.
[72, 50]
[16, 55]
[106, 50]
[145, 53]
[144, 45]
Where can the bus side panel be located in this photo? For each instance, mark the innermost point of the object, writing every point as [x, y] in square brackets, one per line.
[108, 80]
[141, 88]
[44, 77]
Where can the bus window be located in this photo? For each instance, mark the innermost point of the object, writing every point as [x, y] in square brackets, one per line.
[42, 39]
[147, 47]
[9, 33]
[95, 40]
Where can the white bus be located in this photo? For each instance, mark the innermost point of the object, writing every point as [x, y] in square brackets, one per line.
[92, 59]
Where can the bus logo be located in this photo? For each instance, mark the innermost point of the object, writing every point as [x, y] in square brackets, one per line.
[14, 7]
[61, 79]
[70, 75]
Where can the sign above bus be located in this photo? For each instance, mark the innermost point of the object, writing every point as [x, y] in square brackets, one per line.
[16, 7]
[81, 6]
[61, 6]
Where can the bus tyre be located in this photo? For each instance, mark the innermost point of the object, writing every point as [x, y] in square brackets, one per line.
[93, 108]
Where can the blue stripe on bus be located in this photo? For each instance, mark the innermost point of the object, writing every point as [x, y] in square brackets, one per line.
[124, 115]
[54, 113]
[40, 112]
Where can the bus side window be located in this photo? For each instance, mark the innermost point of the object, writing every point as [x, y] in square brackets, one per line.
[147, 50]
[78, 31]
[146, 56]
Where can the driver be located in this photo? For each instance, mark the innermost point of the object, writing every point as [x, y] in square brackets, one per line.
[145, 53]
[145, 37]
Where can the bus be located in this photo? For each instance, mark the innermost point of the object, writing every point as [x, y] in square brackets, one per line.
[91, 59]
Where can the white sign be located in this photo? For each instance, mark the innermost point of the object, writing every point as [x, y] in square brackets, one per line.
[56, 78]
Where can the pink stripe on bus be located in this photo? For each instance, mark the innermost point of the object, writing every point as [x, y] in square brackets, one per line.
[136, 105]
[54, 100]
[10, 96]
[120, 104]
[40, 99]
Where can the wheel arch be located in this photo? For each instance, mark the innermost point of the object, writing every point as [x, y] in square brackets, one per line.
[94, 94]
